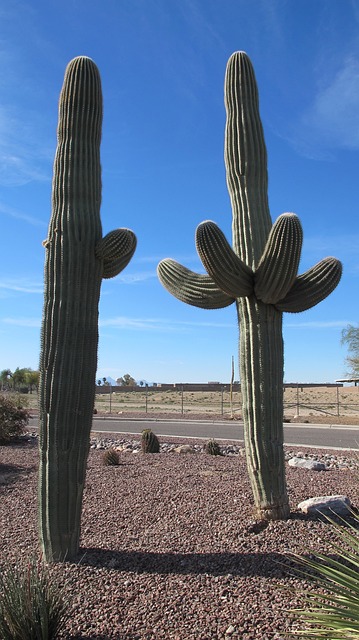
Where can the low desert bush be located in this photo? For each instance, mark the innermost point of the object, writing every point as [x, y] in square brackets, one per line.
[32, 607]
[13, 418]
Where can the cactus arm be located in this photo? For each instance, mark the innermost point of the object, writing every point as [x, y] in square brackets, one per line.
[75, 261]
[221, 263]
[312, 287]
[279, 263]
[116, 250]
[193, 288]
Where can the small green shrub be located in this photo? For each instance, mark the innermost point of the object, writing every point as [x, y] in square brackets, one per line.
[212, 447]
[111, 457]
[31, 606]
[13, 419]
[149, 442]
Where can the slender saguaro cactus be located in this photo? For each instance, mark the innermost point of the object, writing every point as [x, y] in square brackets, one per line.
[77, 258]
[260, 275]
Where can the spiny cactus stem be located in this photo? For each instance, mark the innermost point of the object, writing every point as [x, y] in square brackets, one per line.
[246, 161]
[69, 334]
[261, 373]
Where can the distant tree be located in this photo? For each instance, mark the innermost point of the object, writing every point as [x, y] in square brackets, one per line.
[99, 383]
[141, 383]
[105, 382]
[32, 379]
[126, 381]
[350, 337]
[19, 377]
[5, 378]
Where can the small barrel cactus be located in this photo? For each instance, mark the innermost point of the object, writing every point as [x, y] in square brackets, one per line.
[149, 442]
[212, 447]
[111, 457]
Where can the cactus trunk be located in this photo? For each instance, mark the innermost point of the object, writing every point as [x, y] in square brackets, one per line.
[74, 268]
[261, 373]
[70, 318]
[260, 325]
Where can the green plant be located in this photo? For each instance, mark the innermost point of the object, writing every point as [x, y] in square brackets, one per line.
[350, 337]
[149, 442]
[260, 275]
[212, 447]
[77, 258]
[13, 418]
[332, 612]
[32, 607]
[111, 457]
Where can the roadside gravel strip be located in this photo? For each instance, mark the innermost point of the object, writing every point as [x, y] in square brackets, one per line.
[169, 547]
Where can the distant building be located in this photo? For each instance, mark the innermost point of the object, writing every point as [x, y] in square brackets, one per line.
[355, 380]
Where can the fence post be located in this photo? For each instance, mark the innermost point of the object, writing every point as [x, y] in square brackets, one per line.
[110, 398]
[146, 398]
[338, 403]
[182, 399]
[298, 405]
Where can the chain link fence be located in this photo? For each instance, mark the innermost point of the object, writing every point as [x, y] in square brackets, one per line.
[299, 400]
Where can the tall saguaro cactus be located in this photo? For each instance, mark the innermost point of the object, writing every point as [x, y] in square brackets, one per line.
[260, 275]
[77, 258]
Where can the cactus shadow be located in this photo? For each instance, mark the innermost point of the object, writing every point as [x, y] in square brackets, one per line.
[213, 564]
[10, 473]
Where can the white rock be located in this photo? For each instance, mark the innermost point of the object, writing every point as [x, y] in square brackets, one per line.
[184, 448]
[305, 463]
[328, 505]
[230, 630]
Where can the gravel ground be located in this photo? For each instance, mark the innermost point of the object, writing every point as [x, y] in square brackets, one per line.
[169, 546]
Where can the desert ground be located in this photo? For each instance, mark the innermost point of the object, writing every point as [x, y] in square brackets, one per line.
[312, 404]
[169, 546]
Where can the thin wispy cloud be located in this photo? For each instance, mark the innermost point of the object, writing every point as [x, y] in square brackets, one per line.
[21, 215]
[331, 121]
[21, 286]
[135, 278]
[158, 324]
[342, 246]
[318, 324]
[334, 116]
[20, 151]
[23, 322]
[343, 243]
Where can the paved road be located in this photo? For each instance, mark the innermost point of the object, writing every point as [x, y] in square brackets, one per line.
[323, 436]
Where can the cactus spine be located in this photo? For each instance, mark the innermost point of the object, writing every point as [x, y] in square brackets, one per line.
[260, 275]
[77, 258]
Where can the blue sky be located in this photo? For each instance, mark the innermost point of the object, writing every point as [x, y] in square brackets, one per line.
[162, 64]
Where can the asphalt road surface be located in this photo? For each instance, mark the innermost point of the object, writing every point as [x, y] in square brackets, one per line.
[321, 436]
